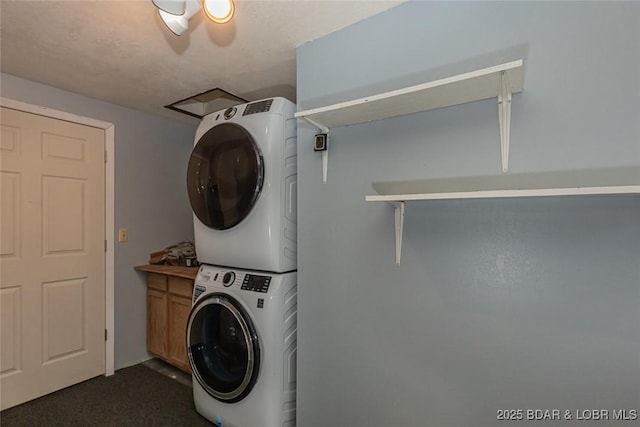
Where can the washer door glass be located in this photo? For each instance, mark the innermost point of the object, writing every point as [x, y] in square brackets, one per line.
[224, 176]
[223, 348]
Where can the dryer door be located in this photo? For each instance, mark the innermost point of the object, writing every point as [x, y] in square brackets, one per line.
[224, 176]
[223, 347]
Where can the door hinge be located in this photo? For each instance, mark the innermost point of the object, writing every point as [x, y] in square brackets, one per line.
[105, 334]
[105, 245]
[105, 155]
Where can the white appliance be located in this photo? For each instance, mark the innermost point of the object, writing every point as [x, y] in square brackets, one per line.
[241, 344]
[241, 181]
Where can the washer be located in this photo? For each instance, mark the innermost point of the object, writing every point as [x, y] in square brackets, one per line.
[241, 344]
[241, 181]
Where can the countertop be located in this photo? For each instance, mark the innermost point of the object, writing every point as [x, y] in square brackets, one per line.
[170, 270]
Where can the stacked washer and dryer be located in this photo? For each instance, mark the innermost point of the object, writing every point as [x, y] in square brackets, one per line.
[241, 332]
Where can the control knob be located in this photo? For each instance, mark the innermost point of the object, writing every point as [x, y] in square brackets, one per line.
[230, 112]
[228, 278]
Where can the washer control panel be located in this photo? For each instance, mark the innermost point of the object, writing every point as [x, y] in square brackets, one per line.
[256, 283]
[209, 275]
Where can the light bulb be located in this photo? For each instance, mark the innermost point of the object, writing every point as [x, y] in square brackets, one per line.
[219, 11]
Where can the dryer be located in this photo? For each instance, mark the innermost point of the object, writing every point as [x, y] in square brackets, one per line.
[242, 186]
[241, 344]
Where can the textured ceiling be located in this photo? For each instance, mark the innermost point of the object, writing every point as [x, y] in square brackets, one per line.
[121, 51]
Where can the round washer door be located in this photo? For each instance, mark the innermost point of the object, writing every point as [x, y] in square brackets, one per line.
[224, 176]
[223, 347]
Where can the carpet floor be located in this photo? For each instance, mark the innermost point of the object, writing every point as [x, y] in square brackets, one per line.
[134, 396]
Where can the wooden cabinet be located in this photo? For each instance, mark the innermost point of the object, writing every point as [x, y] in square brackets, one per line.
[169, 291]
[157, 315]
[179, 305]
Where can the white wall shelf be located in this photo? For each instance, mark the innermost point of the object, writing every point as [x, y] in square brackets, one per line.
[499, 82]
[566, 183]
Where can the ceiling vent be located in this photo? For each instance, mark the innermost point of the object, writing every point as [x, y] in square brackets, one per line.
[206, 102]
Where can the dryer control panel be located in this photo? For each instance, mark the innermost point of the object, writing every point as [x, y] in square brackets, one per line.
[258, 107]
[256, 283]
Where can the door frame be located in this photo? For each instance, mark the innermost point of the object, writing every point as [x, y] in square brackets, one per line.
[109, 145]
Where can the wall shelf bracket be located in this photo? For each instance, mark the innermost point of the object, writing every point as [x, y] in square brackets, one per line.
[504, 118]
[399, 224]
[321, 127]
[605, 181]
[499, 81]
[325, 164]
[325, 152]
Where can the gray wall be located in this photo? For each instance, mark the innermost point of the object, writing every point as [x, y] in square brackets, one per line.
[498, 304]
[151, 155]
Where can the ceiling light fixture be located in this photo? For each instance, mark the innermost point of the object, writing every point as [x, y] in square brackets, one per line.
[170, 6]
[219, 11]
[176, 13]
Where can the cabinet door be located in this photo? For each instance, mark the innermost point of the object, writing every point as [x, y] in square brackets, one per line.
[179, 307]
[157, 322]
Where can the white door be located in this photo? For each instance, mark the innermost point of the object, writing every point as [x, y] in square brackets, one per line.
[52, 255]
